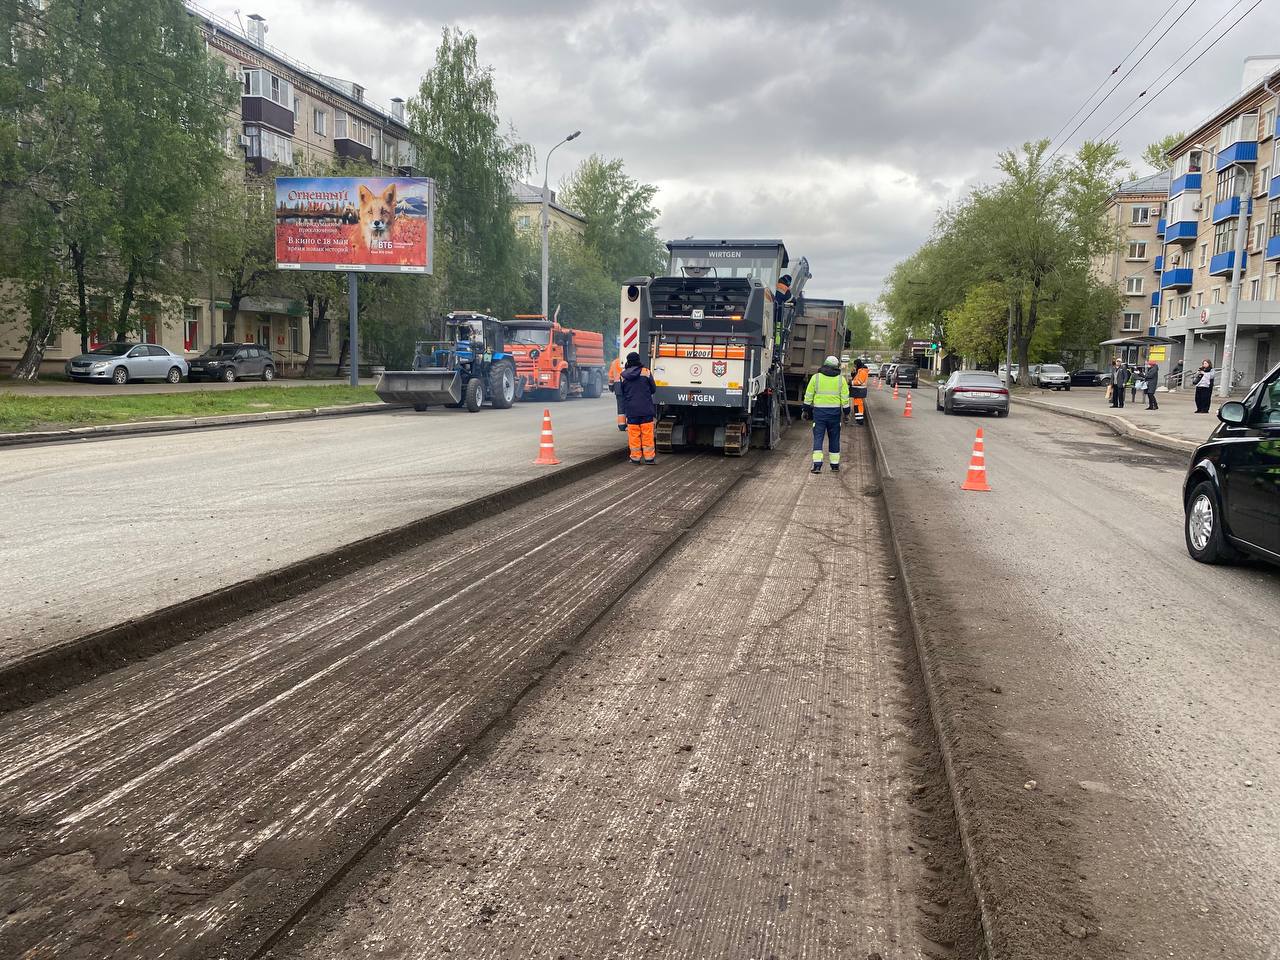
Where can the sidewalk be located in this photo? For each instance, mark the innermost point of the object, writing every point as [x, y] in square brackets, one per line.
[1174, 426]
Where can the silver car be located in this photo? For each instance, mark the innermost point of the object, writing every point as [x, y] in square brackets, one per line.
[978, 390]
[121, 362]
[1050, 376]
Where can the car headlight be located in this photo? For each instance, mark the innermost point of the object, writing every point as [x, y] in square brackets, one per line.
[100, 366]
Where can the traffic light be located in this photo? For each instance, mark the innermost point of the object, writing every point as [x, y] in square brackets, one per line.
[934, 346]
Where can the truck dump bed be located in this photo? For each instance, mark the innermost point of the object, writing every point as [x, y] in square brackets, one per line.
[816, 334]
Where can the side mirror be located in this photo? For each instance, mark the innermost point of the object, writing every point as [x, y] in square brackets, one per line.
[1232, 413]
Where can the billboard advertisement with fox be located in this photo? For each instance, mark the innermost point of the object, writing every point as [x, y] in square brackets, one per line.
[382, 224]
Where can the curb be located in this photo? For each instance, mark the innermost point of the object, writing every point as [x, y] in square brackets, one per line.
[44, 673]
[1121, 426]
[109, 430]
[928, 671]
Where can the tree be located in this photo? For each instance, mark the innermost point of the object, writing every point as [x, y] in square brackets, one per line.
[240, 239]
[857, 319]
[621, 217]
[1156, 155]
[576, 281]
[976, 328]
[459, 138]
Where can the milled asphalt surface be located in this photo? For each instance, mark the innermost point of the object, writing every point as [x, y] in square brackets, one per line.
[734, 764]
[103, 531]
[1115, 706]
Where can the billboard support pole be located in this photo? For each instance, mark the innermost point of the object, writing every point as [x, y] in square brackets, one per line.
[353, 326]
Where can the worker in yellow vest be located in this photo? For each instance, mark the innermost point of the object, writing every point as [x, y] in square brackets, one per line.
[826, 400]
[615, 375]
[859, 392]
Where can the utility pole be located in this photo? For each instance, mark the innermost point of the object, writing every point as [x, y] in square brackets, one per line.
[1237, 281]
[546, 220]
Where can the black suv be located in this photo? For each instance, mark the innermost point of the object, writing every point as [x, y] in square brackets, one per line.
[906, 375]
[1231, 496]
[231, 361]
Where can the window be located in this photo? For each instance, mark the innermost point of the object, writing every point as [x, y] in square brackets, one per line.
[268, 145]
[1217, 295]
[321, 339]
[1204, 254]
[1271, 286]
[320, 123]
[1264, 180]
[1275, 220]
[1189, 162]
[1268, 126]
[1230, 184]
[1155, 316]
[1133, 286]
[1132, 321]
[1137, 250]
[1141, 215]
[349, 127]
[1241, 128]
[1224, 237]
[1259, 234]
[260, 83]
[1255, 287]
[228, 329]
[1200, 298]
[295, 335]
[190, 328]
[522, 222]
[1180, 207]
[1184, 305]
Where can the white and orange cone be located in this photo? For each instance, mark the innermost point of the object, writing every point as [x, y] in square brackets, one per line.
[906, 411]
[895, 391]
[977, 478]
[547, 445]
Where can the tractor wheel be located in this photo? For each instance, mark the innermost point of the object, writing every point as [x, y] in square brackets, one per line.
[475, 394]
[502, 386]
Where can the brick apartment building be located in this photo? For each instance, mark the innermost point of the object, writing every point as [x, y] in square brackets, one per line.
[1135, 210]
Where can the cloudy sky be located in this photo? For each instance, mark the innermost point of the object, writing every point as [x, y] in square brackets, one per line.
[840, 127]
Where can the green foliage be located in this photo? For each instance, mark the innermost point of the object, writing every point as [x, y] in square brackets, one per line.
[857, 319]
[460, 141]
[976, 328]
[1156, 155]
[576, 281]
[621, 217]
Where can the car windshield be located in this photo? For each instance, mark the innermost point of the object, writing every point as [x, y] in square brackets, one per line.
[1052, 368]
[111, 350]
[764, 269]
[222, 350]
[531, 336]
[980, 380]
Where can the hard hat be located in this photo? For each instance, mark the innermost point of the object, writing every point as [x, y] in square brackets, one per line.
[832, 362]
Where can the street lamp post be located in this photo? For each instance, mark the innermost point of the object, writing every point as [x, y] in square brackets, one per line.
[546, 219]
[1237, 281]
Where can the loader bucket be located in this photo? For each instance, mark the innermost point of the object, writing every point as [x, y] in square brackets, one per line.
[420, 386]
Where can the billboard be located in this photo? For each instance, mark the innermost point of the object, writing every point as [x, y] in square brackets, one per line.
[370, 224]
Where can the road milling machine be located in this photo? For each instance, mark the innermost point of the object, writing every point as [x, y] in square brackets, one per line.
[714, 331]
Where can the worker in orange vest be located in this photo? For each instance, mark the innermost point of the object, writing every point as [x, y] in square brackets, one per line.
[859, 392]
[615, 376]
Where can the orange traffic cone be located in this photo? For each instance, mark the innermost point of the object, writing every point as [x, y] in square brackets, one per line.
[906, 412]
[547, 445]
[977, 478]
[895, 391]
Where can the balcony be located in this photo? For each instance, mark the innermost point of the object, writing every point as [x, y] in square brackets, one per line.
[1184, 231]
[1160, 225]
[263, 110]
[1229, 209]
[349, 149]
[1179, 278]
[1274, 192]
[1221, 264]
[1273, 248]
[1158, 265]
[1155, 299]
[1187, 183]
[1242, 151]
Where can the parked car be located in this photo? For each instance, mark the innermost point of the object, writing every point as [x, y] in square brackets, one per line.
[873, 369]
[886, 373]
[1050, 376]
[1000, 372]
[905, 375]
[232, 361]
[1089, 377]
[1231, 494]
[980, 391]
[121, 362]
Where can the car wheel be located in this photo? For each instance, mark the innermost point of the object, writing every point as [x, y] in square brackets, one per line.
[229, 375]
[120, 376]
[1068, 389]
[562, 390]
[937, 403]
[174, 375]
[1002, 413]
[268, 373]
[420, 407]
[1206, 541]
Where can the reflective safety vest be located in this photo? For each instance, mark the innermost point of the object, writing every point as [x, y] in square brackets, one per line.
[615, 370]
[825, 391]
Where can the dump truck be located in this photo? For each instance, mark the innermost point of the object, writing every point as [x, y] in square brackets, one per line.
[555, 362]
[817, 332]
[470, 367]
[715, 335]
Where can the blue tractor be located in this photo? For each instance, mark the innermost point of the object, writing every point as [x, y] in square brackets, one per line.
[468, 368]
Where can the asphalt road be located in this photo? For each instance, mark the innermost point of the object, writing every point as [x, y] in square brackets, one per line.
[1114, 704]
[99, 532]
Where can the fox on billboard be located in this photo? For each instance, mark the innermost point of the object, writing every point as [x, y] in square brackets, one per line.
[372, 224]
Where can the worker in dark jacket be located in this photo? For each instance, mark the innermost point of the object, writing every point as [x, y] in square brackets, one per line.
[1153, 381]
[636, 388]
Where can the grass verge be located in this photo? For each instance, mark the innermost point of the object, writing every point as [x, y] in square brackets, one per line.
[23, 414]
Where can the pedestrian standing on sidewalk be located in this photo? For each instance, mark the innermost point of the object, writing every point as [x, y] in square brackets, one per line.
[1119, 380]
[1153, 380]
[1135, 381]
[637, 389]
[826, 399]
[1203, 379]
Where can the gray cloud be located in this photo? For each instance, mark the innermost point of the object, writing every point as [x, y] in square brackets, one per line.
[840, 126]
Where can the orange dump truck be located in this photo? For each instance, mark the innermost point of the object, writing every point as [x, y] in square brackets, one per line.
[554, 361]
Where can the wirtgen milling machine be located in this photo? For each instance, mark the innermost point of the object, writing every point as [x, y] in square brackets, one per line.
[714, 332]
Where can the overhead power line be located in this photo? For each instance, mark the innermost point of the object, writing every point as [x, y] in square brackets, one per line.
[1127, 73]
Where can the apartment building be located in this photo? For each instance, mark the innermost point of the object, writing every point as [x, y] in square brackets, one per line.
[1221, 172]
[288, 113]
[528, 211]
[1135, 210]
